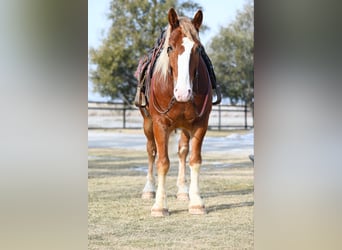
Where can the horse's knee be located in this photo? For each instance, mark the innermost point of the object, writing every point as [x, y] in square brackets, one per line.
[163, 162]
[195, 160]
[163, 165]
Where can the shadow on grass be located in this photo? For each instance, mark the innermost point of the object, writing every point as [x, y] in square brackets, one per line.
[178, 211]
[235, 192]
[229, 206]
[220, 207]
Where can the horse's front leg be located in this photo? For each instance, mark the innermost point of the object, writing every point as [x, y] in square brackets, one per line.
[183, 150]
[161, 133]
[149, 191]
[196, 205]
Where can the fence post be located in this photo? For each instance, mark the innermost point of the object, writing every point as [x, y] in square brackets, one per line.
[219, 110]
[124, 116]
[245, 115]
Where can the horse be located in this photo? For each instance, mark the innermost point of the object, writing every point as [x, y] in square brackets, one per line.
[180, 97]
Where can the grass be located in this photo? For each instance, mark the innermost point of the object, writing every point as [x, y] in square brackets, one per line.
[119, 219]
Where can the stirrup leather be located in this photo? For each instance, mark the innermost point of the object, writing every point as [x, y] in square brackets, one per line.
[140, 99]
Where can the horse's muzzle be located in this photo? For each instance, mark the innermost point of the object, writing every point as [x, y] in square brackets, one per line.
[182, 95]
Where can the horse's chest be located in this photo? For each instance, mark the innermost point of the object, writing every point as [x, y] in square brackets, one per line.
[186, 114]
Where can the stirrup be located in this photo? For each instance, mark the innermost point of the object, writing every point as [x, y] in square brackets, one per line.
[140, 99]
[218, 95]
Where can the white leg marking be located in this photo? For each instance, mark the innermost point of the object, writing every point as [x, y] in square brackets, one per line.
[194, 192]
[150, 185]
[161, 201]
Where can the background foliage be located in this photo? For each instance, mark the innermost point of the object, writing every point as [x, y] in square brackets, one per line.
[135, 26]
[231, 52]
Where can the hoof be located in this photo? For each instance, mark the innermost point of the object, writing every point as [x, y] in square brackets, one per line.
[183, 197]
[148, 195]
[160, 212]
[197, 210]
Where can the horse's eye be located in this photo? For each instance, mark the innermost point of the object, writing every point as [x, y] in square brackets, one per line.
[169, 49]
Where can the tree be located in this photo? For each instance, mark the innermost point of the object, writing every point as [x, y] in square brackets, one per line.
[231, 52]
[135, 27]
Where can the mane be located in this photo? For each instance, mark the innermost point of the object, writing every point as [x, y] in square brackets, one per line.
[189, 30]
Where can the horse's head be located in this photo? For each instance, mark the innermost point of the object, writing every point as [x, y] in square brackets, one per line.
[183, 49]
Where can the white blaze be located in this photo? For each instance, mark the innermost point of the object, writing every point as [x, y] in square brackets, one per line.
[183, 84]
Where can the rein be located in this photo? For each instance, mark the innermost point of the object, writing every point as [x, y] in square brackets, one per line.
[204, 104]
[157, 106]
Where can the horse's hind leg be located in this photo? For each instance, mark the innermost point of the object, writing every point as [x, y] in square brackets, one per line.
[183, 150]
[149, 191]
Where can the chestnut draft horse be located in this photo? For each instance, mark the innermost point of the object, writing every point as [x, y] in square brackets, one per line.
[180, 96]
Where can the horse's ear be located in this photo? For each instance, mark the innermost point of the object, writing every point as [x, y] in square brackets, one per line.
[197, 20]
[173, 18]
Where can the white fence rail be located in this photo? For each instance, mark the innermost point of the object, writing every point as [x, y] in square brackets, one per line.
[110, 115]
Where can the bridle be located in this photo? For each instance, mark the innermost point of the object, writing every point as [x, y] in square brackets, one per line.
[173, 100]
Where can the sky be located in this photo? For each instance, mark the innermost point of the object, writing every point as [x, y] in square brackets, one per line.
[216, 13]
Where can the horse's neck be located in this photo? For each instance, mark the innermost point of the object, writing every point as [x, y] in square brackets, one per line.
[162, 86]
